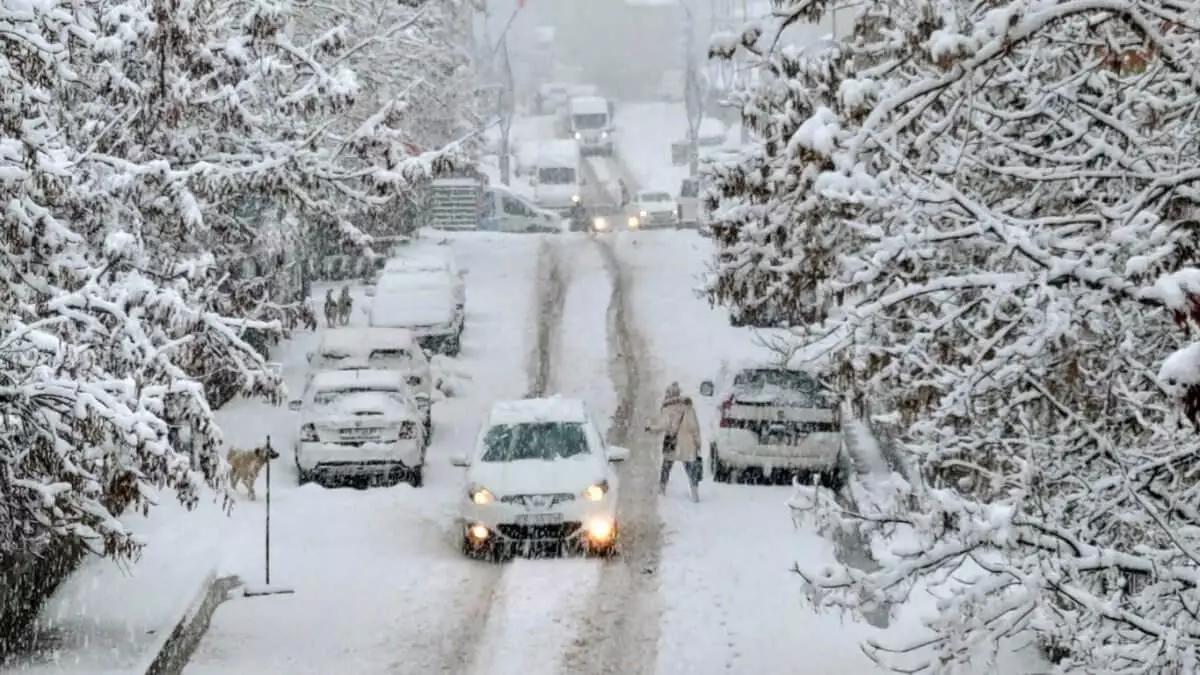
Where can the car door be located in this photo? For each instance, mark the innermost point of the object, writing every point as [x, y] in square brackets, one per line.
[513, 215]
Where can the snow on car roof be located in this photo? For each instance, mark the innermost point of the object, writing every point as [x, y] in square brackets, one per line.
[525, 411]
[370, 378]
[589, 105]
[419, 263]
[357, 339]
[403, 281]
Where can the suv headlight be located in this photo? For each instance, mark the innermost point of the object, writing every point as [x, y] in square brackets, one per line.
[481, 495]
[574, 199]
[578, 135]
[596, 492]
[642, 213]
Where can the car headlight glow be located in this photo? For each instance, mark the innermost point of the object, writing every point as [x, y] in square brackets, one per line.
[601, 530]
[603, 134]
[600, 224]
[578, 135]
[642, 213]
[633, 221]
[596, 492]
[481, 495]
[575, 199]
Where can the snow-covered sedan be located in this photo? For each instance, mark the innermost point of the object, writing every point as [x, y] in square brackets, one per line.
[775, 419]
[540, 476]
[360, 424]
[654, 209]
[426, 304]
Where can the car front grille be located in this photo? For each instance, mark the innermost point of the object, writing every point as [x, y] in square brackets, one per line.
[543, 501]
[557, 531]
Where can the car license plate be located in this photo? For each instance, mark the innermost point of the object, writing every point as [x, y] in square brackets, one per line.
[540, 519]
[359, 434]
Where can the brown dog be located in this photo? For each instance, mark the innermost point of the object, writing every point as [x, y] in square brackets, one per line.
[245, 465]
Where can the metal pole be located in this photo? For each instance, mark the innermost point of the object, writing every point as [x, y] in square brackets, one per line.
[268, 539]
[507, 110]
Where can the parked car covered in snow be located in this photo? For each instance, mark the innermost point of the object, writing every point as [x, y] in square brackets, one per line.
[357, 424]
[776, 419]
[654, 209]
[425, 264]
[379, 349]
[426, 304]
[540, 475]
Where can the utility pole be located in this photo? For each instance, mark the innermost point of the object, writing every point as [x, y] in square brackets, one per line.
[508, 109]
[692, 99]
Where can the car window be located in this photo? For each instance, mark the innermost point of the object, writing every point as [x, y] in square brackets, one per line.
[489, 207]
[328, 396]
[655, 197]
[689, 188]
[390, 354]
[538, 440]
[513, 207]
[556, 175]
[789, 383]
[334, 356]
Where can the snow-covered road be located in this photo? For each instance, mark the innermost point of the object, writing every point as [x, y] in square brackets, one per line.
[380, 584]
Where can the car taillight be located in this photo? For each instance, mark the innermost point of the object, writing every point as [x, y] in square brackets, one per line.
[408, 430]
[726, 422]
[308, 434]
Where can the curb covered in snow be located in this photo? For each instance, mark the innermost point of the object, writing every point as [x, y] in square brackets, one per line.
[175, 648]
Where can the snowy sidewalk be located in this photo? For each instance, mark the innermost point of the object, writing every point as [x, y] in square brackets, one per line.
[109, 620]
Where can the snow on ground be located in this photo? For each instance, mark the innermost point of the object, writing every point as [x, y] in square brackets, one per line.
[108, 619]
[540, 604]
[380, 584]
[730, 603]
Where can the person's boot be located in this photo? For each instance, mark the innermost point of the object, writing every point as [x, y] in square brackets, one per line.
[695, 492]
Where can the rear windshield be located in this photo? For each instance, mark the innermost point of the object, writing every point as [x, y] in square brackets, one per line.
[328, 396]
[591, 121]
[390, 355]
[540, 441]
[789, 383]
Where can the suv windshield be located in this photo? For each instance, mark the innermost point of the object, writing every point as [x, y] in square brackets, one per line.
[591, 121]
[556, 175]
[789, 383]
[328, 396]
[655, 197]
[540, 440]
[690, 188]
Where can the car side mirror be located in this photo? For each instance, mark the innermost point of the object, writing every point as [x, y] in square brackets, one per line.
[460, 461]
[707, 388]
[295, 405]
[616, 454]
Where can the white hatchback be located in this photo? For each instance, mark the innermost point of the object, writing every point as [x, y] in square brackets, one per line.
[540, 476]
[360, 423]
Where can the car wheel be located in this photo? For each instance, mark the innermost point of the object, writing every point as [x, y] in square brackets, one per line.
[305, 477]
[720, 472]
[416, 477]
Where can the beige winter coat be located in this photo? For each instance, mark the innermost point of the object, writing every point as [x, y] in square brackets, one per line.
[679, 414]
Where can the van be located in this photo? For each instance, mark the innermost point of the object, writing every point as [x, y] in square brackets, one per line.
[556, 180]
[379, 349]
[591, 124]
[507, 211]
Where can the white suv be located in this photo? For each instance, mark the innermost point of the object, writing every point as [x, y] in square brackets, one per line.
[360, 423]
[539, 476]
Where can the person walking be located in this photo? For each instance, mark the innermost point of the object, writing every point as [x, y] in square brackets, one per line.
[677, 422]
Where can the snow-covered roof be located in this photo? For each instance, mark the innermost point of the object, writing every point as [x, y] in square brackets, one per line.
[589, 105]
[350, 340]
[550, 153]
[399, 280]
[525, 411]
[370, 378]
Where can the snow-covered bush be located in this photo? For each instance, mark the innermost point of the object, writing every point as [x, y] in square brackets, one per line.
[146, 148]
[968, 205]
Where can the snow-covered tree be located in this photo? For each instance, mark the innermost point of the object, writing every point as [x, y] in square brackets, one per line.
[970, 206]
[145, 148]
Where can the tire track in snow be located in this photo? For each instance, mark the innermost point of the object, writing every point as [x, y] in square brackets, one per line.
[621, 630]
[495, 585]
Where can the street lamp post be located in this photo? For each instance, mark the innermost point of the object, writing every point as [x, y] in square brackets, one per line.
[693, 102]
